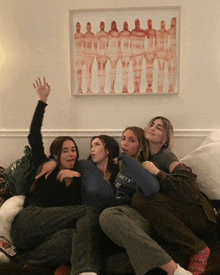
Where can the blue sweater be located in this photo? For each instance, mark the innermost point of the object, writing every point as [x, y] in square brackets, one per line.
[95, 190]
[133, 178]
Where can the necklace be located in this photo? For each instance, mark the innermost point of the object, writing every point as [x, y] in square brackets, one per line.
[107, 176]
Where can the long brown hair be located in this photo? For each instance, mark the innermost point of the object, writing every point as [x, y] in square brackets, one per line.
[55, 150]
[144, 150]
[112, 146]
[57, 145]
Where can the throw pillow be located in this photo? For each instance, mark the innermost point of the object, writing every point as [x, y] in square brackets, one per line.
[205, 162]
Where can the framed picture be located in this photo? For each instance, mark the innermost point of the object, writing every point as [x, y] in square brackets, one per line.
[132, 51]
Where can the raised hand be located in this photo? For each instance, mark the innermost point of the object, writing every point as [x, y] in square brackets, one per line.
[42, 88]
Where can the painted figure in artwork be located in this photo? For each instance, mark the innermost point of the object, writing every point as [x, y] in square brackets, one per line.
[162, 47]
[89, 55]
[171, 56]
[125, 42]
[150, 54]
[137, 52]
[113, 53]
[79, 55]
[102, 56]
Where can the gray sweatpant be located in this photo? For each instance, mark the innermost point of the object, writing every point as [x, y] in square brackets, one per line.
[57, 235]
[128, 229]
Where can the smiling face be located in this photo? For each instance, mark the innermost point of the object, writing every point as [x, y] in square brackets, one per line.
[155, 132]
[130, 144]
[99, 154]
[68, 155]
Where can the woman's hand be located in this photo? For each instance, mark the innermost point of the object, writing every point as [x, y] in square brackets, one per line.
[67, 176]
[43, 89]
[150, 167]
[173, 166]
[47, 169]
[115, 160]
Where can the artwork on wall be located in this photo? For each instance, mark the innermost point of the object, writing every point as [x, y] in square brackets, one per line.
[125, 51]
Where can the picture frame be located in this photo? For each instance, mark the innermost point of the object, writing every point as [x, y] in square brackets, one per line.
[129, 51]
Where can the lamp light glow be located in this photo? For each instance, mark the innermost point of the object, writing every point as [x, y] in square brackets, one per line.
[2, 55]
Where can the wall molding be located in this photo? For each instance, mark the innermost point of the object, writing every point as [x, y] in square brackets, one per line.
[81, 133]
[14, 140]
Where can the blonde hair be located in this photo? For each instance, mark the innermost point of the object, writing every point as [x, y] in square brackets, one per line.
[169, 131]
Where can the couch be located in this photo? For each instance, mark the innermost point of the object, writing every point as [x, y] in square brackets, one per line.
[204, 161]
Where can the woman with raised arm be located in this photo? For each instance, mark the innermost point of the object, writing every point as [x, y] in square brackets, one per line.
[180, 214]
[53, 228]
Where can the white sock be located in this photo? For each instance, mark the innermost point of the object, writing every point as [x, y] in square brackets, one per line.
[88, 273]
[181, 271]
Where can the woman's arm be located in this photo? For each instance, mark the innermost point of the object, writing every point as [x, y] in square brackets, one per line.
[35, 137]
[180, 183]
[67, 176]
[47, 169]
[145, 182]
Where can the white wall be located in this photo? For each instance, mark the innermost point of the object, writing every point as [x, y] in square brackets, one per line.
[34, 41]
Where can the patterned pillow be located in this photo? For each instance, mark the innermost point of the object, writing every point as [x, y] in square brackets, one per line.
[4, 188]
[20, 173]
[2, 169]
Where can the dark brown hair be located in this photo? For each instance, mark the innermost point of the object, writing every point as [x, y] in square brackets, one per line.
[57, 145]
[112, 146]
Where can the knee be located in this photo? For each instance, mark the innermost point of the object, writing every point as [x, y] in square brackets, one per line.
[91, 213]
[107, 217]
[89, 210]
[102, 218]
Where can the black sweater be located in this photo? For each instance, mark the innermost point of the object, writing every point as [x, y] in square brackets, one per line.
[48, 192]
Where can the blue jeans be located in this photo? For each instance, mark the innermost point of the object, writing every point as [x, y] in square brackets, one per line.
[57, 235]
